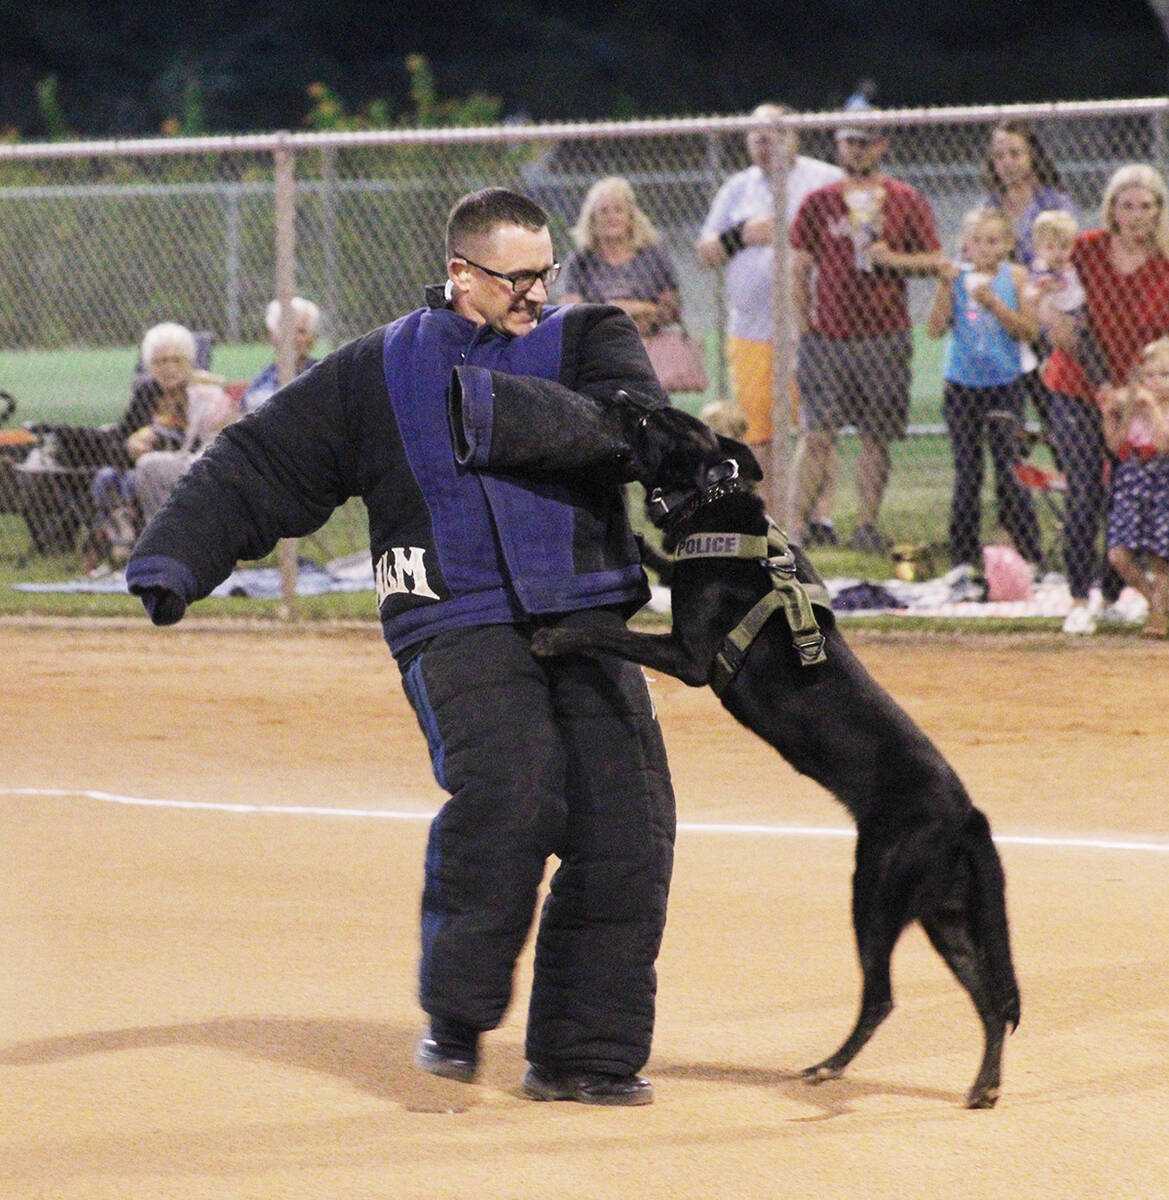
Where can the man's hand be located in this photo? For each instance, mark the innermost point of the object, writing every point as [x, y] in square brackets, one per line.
[164, 606]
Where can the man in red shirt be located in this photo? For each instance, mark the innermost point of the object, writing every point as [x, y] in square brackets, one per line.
[853, 244]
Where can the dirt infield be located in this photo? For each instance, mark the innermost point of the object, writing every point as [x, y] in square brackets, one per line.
[213, 848]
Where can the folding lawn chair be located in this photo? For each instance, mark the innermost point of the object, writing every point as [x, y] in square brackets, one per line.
[1047, 484]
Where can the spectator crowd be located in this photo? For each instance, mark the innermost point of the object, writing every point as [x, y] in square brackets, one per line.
[1048, 318]
[1045, 324]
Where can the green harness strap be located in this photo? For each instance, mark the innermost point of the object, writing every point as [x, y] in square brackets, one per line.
[796, 598]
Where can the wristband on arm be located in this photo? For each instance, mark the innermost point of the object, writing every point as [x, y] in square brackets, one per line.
[732, 239]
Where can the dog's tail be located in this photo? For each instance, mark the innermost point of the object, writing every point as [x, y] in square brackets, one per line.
[991, 914]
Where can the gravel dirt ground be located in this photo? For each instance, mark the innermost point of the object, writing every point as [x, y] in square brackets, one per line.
[213, 844]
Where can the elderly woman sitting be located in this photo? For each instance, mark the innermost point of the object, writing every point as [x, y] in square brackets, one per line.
[170, 420]
[306, 323]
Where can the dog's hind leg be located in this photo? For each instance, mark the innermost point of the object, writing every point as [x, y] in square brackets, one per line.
[968, 929]
[878, 924]
[949, 930]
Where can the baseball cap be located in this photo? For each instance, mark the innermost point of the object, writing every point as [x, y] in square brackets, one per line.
[860, 133]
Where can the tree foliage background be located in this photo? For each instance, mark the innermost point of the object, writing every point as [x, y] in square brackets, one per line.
[120, 67]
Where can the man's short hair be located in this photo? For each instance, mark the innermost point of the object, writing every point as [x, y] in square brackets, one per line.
[478, 214]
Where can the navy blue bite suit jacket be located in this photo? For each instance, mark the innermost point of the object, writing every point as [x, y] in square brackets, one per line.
[489, 501]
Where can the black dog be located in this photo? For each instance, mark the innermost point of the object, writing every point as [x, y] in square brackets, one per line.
[923, 851]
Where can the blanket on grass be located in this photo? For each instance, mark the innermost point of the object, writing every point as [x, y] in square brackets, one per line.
[852, 597]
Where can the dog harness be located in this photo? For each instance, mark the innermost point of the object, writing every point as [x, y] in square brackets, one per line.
[797, 598]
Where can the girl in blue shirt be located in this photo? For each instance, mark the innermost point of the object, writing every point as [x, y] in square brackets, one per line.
[985, 305]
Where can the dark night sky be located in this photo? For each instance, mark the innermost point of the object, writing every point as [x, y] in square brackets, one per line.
[124, 67]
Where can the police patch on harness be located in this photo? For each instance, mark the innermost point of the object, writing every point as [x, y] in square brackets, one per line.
[712, 545]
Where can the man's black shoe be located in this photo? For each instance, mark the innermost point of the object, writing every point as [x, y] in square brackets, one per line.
[450, 1050]
[588, 1087]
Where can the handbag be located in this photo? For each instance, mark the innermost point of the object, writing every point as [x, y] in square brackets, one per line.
[677, 360]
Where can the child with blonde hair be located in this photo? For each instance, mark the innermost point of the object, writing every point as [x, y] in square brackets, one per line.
[1053, 235]
[1136, 431]
[1060, 299]
[984, 304]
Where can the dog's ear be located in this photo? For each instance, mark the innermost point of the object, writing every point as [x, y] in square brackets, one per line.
[749, 467]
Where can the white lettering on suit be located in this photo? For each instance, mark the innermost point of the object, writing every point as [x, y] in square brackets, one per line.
[405, 573]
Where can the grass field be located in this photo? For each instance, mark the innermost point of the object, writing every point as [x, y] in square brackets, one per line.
[89, 385]
[85, 385]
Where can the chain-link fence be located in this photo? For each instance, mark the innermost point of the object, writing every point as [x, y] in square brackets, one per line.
[102, 241]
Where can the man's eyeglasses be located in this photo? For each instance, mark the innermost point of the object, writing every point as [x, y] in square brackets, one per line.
[521, 282]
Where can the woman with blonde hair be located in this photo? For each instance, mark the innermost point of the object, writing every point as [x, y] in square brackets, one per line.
[1124, 270]
[618, 259]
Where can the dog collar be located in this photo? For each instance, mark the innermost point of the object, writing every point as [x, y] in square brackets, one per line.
[672, 509]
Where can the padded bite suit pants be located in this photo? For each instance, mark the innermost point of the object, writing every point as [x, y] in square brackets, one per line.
[544, 756]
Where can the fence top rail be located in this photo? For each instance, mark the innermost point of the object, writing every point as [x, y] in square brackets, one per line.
[260, 143]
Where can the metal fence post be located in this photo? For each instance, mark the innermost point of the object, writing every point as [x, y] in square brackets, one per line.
[331, 317]
[778, 469]
[231, 260]
[284, 162]
[722, 387]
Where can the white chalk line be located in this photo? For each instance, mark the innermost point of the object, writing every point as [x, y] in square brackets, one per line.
[380, 814]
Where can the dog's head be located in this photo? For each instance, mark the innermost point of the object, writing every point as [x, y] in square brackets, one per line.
[679, 456]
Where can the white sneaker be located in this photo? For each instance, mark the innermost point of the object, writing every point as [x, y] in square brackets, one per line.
[1129, 608]
[1080, 620]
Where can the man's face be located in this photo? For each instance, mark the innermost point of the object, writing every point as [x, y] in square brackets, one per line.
[859, 157]
[488, 300]
[762, 142]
